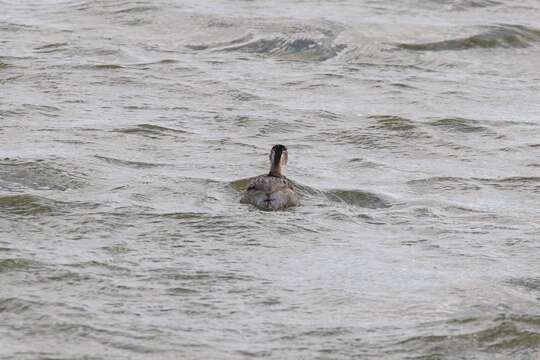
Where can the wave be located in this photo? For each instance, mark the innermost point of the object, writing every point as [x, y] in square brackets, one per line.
[463, 5]
[17, 264]
[39, 175]
[292, 47]
[150, 130]
[128, 163]
[301, 43]
[358, 198]
[25, 204]
[392, 123]
[444, 183]
[459, 125]
[529, 184]
[507, 334]
[503, 36]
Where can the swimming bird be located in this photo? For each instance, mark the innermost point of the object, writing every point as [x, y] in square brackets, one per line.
[272, 191]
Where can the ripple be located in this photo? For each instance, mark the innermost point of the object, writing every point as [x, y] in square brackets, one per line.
[459, 125]
[18, 264]
[385, 132]
[39, 175]
[301, 43]
[102, 67]
[531, 284]
[152, 131]
[392, 123]
[358, 198]
[136, 9]
[444, 183]
[516, 183]
[504, 36]
[26, 205]
[13, 27]
[463, 5]
[49, 48]
[508, 334]
[292, 47]
[128, 163]
[15, 305]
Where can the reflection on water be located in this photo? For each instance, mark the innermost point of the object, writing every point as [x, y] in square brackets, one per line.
[130, 130]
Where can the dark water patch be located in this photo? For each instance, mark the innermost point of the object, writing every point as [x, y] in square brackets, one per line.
[98, 265]
[503, 36]
[242, 95]
[39, 175]
[102, 67]
[358, 198]
[459, 125]
[214, 227]
[146, 65]
[66, 277]
[508, 334]
[363, 163]
[403, 86]
[116, 249]
[13, 27]
[382, 132]
[392, 123]
[15, 305]
[136, 9]
[225, 44]
[302, 43]
[140, 66]
[241, 184]
[100, 333]
[328, 115]
[319, 333]
[45, 110]
[203, 277]
[3, 65]
[27, 205]
[530, 284]
[18, 264]
[291, 47]
[464, 5]
[152, 131]
[444, 183]
[128, 163]
[50, 48]
[176, 291]
[181, 215]
[516, 183]
[356, 137]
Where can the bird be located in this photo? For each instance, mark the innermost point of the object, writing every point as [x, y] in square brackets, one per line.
[272, 191]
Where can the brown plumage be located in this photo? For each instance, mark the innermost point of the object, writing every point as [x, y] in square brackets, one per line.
[272, 191]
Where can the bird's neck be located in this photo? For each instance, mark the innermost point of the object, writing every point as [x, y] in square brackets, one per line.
[275, 170]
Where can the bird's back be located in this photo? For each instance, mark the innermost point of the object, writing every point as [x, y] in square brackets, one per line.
[270, 193]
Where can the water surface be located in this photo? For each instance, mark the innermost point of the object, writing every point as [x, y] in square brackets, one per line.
[128, 129]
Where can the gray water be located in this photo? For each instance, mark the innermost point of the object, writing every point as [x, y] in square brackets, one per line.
[128, 130]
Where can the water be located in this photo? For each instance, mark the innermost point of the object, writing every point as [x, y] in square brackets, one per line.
[129, 128]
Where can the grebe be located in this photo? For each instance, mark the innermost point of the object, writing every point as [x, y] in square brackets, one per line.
[272, 191]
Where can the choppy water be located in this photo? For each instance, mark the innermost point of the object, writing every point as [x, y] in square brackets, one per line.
[128, 129]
